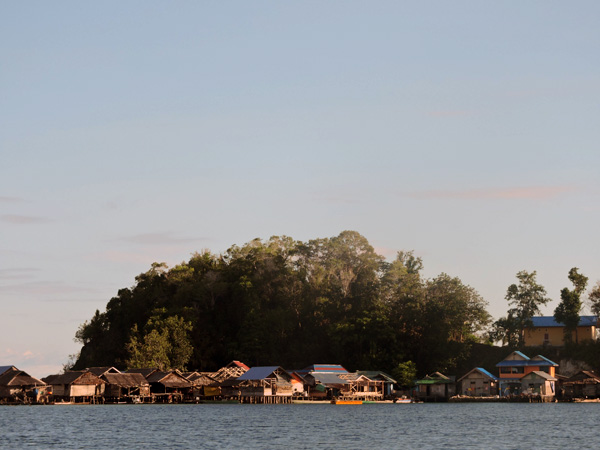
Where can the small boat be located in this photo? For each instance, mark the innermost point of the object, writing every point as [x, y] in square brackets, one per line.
[346, 402]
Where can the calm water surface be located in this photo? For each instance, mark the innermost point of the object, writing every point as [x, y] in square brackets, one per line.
[418, 426]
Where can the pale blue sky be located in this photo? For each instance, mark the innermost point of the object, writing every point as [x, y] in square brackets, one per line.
[141, 131]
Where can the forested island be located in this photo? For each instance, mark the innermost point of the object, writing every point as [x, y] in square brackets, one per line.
[295, 303]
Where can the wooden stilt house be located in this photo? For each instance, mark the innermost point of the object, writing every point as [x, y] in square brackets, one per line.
[17, 386]
[168, 386]
[200, 382]
[266, 384]
[584, 384]
[76, 387]
[388, 381]
[326, 385]
[478, 382]
[362, 388]
[435, 387]
[126, 387]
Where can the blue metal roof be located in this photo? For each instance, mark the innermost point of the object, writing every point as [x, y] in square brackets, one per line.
[520, 354]
[538, 357]
[550, 321]
[258, 373]
[485, 372]
[515, 363]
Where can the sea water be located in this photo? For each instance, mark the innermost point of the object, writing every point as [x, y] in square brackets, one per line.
[373, 426]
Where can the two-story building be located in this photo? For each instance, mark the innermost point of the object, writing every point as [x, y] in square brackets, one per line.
[517, 365]
[545, 330]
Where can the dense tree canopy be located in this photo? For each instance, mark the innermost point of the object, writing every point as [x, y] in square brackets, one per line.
[288, 303]
[567, 311]
[525, 300]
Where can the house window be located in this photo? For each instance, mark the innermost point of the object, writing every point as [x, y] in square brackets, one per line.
[512, 370]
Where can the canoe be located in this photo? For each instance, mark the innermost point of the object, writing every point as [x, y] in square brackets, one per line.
[347, 402]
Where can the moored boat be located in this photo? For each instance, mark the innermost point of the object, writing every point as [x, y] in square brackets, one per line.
[346, 402]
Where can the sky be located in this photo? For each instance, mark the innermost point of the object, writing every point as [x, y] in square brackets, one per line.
[144, 131]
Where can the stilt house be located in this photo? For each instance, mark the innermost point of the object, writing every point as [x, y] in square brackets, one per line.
[478, 383]
[76, 386]
[17, 386]
[584, 384]
[267, 384]
[435, 387]
[130, 387]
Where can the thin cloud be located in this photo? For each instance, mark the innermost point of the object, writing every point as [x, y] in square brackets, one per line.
[449, 113]
[157, 239]
[21, 273]
[5, 199]
[44, 288]
[22, 220]
[523, 193]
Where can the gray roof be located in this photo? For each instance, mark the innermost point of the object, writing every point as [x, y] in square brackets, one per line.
[328, 378]
[376, 375]
[260, 373]
[540, 374]
[5, 368]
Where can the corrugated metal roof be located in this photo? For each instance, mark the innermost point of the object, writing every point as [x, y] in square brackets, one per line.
[328, 378]
[480, 370]
[537, 360]
[485, 372]
[327, 368]
[241, 365]
[540, 374]
[550, 321]
[376, 375]
[520, 354]
[543, 358]
[258, 373]
[517, 363]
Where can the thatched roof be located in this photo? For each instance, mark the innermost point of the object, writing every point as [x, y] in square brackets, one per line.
[172, 379]
[125, 380]
[16, 377]
[146, 372]
[71, 377]
[99, 371]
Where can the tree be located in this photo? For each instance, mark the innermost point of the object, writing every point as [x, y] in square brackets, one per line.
[506, 330]
[567, 312]
[525, 299]
[287, 302]
[164, 344]
[405, 374]
[594, 299]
